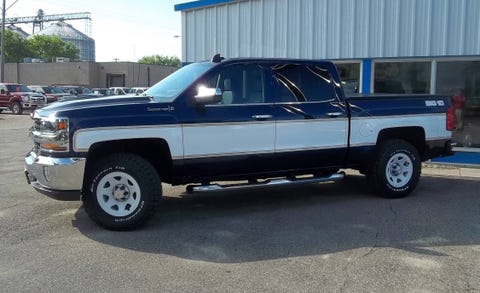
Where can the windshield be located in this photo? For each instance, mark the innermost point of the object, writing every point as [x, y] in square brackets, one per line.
[54, 90]
[13, 88]
[170, 87]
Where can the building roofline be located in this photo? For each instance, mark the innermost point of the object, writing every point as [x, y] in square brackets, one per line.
[199, 4]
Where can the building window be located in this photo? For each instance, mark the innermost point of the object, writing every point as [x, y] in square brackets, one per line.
[402, 77]
[350, 76]
[461, 80]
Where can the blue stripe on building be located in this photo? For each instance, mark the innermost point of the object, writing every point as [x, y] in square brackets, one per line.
[199, 4]
[366, 75]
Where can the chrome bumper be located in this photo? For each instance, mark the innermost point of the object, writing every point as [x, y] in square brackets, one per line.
[30, 105]
[59, 178]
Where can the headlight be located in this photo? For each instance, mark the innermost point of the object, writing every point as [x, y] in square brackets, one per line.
[25, 98]
[51, 133]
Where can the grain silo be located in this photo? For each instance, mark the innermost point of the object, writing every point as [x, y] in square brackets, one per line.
[68, 33]
[16, 29]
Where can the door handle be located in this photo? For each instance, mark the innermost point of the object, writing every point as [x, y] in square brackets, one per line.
[261, 117]
[334, 114]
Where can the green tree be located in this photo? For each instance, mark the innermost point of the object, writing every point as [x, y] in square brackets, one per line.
[161, 60]
[15, 47]
[49, 47]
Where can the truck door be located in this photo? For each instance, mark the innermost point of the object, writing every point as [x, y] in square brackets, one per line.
[311, 120]
[239, 132]
[4, 98]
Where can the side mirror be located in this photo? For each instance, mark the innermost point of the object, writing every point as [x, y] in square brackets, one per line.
[207, 96]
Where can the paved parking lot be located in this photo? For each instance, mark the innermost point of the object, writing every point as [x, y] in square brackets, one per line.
[315, 238]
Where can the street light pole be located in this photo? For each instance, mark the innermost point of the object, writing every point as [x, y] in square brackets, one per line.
[2, 66]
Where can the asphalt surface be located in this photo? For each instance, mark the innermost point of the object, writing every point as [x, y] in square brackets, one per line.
[333, 237]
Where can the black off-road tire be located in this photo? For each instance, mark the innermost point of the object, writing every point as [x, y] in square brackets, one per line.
[16, 108]
[122, 192]
[396, 169]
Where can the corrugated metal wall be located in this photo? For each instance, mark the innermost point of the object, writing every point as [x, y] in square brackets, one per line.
[332, 29]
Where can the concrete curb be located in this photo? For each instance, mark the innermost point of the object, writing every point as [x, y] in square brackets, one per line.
[456, 170]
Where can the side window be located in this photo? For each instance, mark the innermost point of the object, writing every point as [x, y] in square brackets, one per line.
[240, 84]
[306, 83]
[285, 91]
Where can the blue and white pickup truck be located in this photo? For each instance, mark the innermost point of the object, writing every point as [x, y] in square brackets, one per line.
[259, 121]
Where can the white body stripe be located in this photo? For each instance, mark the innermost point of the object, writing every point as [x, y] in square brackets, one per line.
[365, 130]
[311, 134]
[85, 138]
[203, 140]
[223, 139]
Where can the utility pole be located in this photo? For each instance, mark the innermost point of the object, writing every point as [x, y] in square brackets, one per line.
[2, 66]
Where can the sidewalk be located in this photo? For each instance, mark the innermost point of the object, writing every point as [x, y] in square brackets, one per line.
[438, 169]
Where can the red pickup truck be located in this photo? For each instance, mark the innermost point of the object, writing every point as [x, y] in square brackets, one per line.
[16, 98]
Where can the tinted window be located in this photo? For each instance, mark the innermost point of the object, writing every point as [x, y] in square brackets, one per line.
[402, 77]
[18, 88]
[240, 83]
[306, 83]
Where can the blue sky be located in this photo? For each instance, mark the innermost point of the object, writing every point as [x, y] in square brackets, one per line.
[123, 29]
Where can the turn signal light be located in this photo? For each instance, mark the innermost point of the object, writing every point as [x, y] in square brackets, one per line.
[53, 147]
[62, 125]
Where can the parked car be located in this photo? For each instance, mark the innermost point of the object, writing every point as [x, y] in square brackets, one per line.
[137, 90]
[260, 122]
[17, 97]
[52, 93]
[102, 91]
[77, 91]
[119, 90]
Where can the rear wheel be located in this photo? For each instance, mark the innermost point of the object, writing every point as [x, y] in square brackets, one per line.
[123, 191]
[396, 169]
[16, 108]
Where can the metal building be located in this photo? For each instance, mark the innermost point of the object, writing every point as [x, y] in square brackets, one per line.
[68, 33]
[379, 46]
[340, 29]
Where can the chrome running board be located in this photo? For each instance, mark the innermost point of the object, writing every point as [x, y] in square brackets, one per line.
[270, 182]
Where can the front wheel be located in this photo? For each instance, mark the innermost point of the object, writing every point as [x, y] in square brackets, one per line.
[395, 170]
[122, 192]
[16, 108]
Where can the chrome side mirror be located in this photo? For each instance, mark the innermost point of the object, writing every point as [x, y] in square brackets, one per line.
[207, 96]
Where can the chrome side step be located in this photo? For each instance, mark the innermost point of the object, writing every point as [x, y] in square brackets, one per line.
[270, 182]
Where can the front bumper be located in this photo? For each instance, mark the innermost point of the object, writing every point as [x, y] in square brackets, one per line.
[33, 105]
[59, 178]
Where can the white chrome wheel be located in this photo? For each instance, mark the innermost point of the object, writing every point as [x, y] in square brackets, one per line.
[118, 194]
[399, 170]
[16, 108]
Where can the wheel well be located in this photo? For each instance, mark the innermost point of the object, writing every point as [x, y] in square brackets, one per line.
[414, 135]
[154, 150]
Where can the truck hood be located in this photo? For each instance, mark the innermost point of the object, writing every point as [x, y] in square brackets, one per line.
[85, 103]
